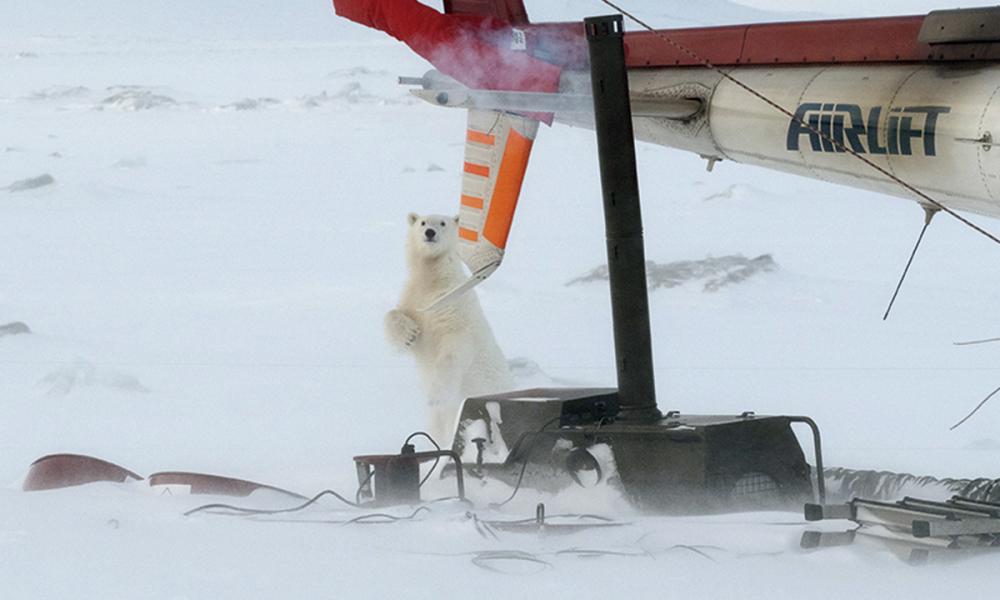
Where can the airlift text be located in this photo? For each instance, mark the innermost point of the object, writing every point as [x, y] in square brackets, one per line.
[846, 123]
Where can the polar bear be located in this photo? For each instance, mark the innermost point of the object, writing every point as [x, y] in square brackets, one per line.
[456, 352]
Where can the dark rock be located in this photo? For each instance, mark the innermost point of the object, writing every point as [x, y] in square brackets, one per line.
[716, 273]
[15, 328]
[31, 183]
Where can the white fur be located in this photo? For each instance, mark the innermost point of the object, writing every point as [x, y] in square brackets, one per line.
[456, 352]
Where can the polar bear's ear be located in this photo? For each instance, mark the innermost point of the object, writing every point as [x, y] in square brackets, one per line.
[456, 219]
[413, 218]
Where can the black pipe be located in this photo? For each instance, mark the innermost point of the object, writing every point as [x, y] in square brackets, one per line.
[623, 219]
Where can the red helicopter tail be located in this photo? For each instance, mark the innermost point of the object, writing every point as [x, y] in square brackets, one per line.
[511, 11]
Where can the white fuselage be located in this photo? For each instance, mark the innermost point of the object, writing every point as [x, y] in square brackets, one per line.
[931, 125]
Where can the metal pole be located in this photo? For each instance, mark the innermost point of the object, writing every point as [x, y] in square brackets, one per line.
[623, 219]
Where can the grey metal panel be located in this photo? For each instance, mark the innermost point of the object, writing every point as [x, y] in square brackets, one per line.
[642, 106]
[923, 528]
[822, 512]
[826, 539]
[683, 464]
[961, 26]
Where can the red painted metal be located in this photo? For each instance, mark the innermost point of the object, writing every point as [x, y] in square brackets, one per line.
[720, 45]
[891, 40]
[844, 41]
[563, 44]
[511, 11]
[67, 470]
[474, 49]
[484, 58]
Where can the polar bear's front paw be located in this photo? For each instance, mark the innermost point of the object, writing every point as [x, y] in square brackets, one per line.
[401, 329]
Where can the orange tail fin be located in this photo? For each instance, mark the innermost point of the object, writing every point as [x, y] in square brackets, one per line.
[497, 148]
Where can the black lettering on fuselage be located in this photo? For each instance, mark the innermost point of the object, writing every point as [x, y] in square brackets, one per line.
[839, 127]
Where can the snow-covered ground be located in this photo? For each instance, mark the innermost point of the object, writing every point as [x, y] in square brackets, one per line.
[206, 273]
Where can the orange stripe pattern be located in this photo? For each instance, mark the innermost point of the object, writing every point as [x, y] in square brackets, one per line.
[480, 170]
[508, 187]
[472, 202]
[480, 137]
[468, 234]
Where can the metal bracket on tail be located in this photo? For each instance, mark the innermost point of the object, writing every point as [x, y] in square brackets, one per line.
[440, 90]
[452, 295]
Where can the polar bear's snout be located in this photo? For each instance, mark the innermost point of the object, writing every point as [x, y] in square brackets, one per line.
[430, 234]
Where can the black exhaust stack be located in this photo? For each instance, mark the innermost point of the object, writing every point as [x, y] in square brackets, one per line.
[623, 219]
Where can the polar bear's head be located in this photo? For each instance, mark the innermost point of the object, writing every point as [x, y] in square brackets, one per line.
[432, 236]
